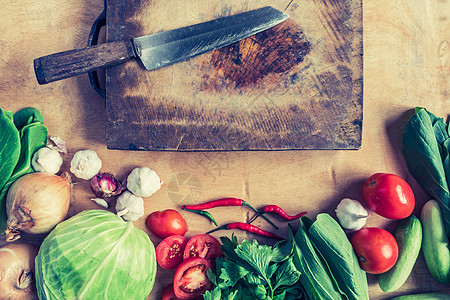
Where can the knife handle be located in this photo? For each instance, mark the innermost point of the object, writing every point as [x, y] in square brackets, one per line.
[71, 63]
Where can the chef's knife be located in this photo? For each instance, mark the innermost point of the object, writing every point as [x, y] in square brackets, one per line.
[159, 49]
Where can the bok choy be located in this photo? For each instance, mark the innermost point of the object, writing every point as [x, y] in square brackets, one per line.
[426, 150]
[325, 257]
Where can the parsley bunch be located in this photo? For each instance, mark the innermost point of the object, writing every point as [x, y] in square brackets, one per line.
[253, 271]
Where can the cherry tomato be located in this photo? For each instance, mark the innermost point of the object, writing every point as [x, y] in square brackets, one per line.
[166, 223]
[389, 196]
[168, 293]
[376, 249]
[169, 253]
[190, 280]
[205, 246]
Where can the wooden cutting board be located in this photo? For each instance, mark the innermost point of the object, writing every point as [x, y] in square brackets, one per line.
[298, 85]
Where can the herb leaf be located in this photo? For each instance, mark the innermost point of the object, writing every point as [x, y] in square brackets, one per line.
[287, 274]
[258, 256]
[231, 273]
[250, 270]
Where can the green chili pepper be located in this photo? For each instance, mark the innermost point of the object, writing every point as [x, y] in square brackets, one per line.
[202, 213]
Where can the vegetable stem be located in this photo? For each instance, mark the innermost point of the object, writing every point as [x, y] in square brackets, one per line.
[248, 228]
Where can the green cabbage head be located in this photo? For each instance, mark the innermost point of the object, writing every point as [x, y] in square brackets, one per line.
[95, 255]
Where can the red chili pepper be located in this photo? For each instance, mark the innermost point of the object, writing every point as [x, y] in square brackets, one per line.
[217, 203]
[224, 202]
[279, 211]
[248, 228]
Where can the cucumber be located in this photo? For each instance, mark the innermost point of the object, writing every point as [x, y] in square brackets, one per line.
[426, 296]
[435, 242]
[409, 238]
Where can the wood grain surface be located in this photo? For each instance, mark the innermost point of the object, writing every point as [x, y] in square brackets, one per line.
[406, 64]
[297, 85]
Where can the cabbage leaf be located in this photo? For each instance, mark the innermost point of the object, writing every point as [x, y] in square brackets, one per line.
[95, 255]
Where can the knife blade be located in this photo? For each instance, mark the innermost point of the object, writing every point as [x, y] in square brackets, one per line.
[159, 49]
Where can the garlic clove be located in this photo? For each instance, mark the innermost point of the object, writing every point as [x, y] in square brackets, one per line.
[46, 160]
[143, 182]
[351, 214]
[129, 206]
[105, 185]
[85, 164]
[101, 202]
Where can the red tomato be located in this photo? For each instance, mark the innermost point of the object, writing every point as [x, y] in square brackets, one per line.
[169, 253]
[376, 249]
[389, 196]
[168, 293]
[190, 280]
[205, 246]
[166, 223]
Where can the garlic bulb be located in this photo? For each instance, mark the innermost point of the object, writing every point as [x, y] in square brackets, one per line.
[85, 164]
[351, 214]
[130, 207]
[46, 160]
[143, 182]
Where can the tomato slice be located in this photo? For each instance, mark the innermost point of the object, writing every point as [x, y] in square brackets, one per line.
[205, 246]
[190, 280]
[168, 293]
[169, 252]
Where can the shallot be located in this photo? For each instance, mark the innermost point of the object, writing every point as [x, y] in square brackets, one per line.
[105, 185]
[36, 202]
[17, 279]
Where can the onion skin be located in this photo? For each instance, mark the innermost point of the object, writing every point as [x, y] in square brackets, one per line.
[17, 271]
[36, 202]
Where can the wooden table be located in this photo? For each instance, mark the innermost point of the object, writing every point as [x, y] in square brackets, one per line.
[406, 64]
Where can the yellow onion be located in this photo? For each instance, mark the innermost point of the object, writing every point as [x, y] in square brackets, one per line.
[36, 202]
[17, 271]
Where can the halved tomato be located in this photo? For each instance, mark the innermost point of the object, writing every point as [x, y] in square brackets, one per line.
[205, 246]
[190, 280]
[169, 253]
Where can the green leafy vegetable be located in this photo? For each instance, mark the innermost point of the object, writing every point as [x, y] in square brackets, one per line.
[253, 271]
[32, 136]
[95, 255]
[26, 116]
[316, 277]
[327, 236]
[426, 150]
[9, 147]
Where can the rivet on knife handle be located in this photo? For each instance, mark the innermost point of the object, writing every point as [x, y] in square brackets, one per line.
[76, 62]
